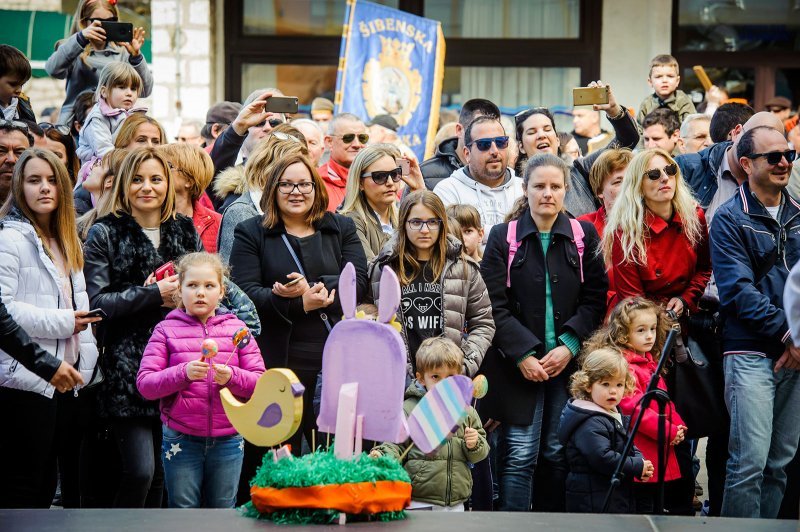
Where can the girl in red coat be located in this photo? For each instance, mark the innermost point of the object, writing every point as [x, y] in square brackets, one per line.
[637, 329]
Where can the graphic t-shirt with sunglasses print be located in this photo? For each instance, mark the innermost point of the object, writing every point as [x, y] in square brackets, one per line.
[421, 305]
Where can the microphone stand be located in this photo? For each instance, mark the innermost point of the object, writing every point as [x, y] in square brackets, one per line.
[653, 393]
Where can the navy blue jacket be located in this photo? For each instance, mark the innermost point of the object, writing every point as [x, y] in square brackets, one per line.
[594, 441]
[751, 255]
[700, 170]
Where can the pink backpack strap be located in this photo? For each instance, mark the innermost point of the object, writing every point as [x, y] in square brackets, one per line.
[513, 245]
[577, 239]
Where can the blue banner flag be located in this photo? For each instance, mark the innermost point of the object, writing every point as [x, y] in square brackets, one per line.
[392, 63]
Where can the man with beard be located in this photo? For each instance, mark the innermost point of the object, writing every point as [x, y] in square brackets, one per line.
[485, 182]
[15, 138]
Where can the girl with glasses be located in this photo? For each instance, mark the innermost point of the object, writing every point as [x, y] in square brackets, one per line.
[288, 261]
[443, 292]
[373, 184]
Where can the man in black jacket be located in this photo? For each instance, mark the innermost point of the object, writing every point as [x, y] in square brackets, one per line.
[449, 155]
[16, 342]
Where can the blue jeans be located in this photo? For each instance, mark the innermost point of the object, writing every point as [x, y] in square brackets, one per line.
[518, 448]
[201, 472]
[765, 428]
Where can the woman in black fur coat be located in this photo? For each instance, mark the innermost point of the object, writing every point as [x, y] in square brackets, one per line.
[122, 251]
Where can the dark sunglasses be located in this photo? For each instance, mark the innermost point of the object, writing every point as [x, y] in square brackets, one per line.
[61, 128]
[774, 157]
[655, 174]
[109, 19]
[486, 144]
[273, 122]
[379, 177]
[363, 138]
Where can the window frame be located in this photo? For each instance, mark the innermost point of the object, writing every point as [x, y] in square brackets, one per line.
[582, 52]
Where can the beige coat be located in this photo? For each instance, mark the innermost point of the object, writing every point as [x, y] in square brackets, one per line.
[466, 303]
[370, 233]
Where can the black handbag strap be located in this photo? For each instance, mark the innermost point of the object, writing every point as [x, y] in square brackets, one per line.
[322, 315]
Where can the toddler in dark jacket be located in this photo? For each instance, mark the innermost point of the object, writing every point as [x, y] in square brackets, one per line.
[593, 433]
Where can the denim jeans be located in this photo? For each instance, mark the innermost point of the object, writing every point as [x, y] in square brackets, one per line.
[518, 448]
[201, 472]
[765, 428]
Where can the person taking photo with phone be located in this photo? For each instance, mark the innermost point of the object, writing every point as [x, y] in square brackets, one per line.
[43, 287]
[80, 58]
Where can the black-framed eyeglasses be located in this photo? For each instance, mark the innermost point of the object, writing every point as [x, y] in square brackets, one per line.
[416, 224]
[363, 138]
[109, 19]
[304, 188]
[379, 177]
[655, 174]
[486, 144]
[774, 157]
[61, 128]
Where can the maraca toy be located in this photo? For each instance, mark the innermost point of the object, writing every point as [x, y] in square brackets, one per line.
[480, 387]
[240, 339]
[209, 349]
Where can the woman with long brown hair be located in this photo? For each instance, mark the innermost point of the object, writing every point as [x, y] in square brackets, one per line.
[443, 292]
[43, 287]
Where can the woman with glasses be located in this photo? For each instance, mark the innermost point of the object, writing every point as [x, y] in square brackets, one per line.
[656, 237]
[80, 58]
[251, 179]
[536, 132]
[547, 284]
[656, 240]
[373, 184]
[288, 261]
[443, 292]
[192, 171]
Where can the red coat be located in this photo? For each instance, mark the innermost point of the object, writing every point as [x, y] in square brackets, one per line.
[642, 368]
[206, 222]
[673, 267]
[598, 219]
[335, 177]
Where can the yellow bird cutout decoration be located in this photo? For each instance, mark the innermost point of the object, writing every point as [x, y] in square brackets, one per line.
[273, 413]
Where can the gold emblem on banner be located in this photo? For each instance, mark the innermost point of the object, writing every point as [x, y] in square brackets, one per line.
[390, 84]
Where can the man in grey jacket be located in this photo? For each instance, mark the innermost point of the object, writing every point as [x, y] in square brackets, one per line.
[485, 182]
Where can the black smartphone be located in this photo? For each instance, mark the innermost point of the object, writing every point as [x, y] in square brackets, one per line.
[118, 31]
[96, 313]
[282, 104]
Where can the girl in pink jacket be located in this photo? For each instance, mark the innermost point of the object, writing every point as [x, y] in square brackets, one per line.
[202, 452]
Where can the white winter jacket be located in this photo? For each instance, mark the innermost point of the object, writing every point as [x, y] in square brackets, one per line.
[29, 288]
[492, 203]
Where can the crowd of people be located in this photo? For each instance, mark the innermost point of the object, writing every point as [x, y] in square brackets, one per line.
[553, 264]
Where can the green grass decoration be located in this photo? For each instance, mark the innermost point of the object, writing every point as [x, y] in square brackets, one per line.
[319, 469]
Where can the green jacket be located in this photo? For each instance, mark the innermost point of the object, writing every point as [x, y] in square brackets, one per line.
[444, 477]
[370, 233]
[680, 102]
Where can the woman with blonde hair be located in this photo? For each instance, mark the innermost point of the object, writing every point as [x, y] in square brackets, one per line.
[443, 292]
[44, 289]
[370, 200]
[140, 131]
[281, 143]
[192, 171]
[99, 183]
[656, 238]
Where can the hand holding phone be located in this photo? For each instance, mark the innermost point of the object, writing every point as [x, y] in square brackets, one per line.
[405, 165]
[96, 313]
[281, 104]
[118, 31]
[165, 270]
[590, 95]
[293, 281]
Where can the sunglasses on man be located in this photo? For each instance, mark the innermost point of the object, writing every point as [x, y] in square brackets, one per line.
[655, 174]
[774, 157]
[363, 138]
[486, 144]
[380, 177]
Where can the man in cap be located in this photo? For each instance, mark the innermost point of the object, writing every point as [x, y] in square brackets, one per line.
[322, 111]
[383, 128]
[779, 106]
[218, 118]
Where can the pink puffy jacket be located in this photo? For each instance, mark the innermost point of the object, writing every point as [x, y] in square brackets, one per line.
[194, 407]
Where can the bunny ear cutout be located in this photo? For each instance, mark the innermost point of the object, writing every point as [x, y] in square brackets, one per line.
[389, 295]
[347, 290]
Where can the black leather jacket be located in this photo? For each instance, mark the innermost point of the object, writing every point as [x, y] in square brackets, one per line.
[16, 342]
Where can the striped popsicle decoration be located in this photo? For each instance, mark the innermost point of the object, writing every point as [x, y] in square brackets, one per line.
[439, 412]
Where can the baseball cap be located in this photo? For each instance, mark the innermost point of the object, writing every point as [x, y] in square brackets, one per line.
[386, 121]
[778, 101]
